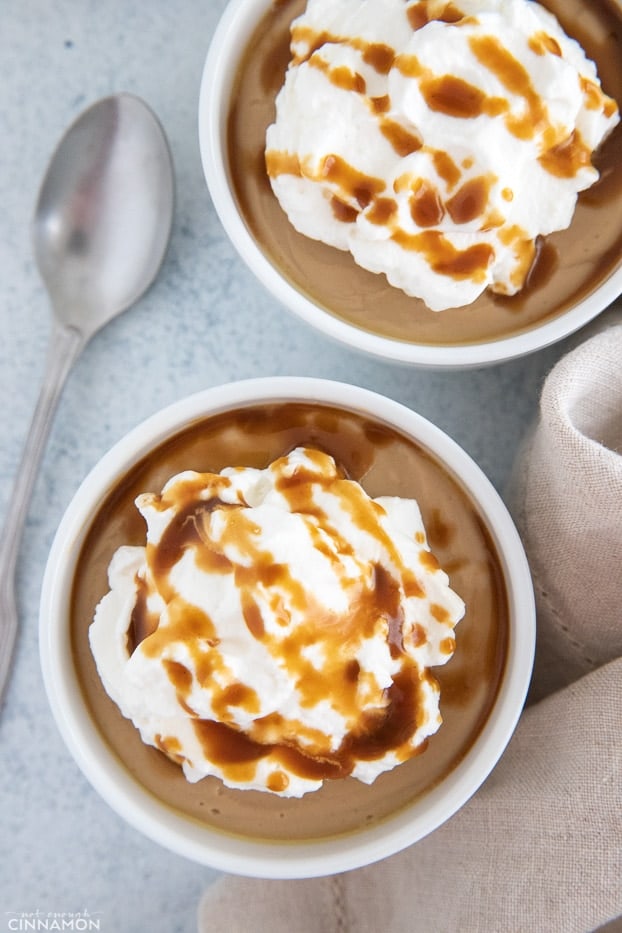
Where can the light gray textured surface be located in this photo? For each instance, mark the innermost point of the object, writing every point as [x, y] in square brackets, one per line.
[205, 322]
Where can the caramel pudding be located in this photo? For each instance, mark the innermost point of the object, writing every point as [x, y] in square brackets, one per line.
[384, 462]
[569, 266]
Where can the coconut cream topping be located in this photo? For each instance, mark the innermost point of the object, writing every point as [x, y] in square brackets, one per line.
[278, 626]
[436, 141]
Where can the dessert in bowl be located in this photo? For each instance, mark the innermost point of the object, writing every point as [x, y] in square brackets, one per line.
[177, 702]
[360, 168]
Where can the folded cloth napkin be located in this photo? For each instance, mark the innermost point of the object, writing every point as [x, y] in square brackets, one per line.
[539, 847]
[567, 502]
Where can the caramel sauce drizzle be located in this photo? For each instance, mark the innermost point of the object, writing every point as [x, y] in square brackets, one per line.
[403, 140]
[142, 621]
[542, 44]
[524, 250]
[443, 257]
[382, 212]
[380, 104]
[470, 200]
[282, 163]
[171, 747]
[426, 205]
[420, 14]
[237, 754]
[375, 54]
[493, 55]
[343, 212]
[446, 168]
[340, 76]
[356, 186]
[568, 157]
[375, 607]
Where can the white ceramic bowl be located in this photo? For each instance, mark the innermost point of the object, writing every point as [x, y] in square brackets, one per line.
[229, 42]
[185, 835]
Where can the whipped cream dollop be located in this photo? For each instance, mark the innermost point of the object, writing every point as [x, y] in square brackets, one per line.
[436, 141]
[278, 627]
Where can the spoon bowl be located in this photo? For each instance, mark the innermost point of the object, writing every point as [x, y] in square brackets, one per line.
[103, 217]
[101, 228]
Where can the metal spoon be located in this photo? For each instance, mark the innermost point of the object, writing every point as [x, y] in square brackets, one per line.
[101, 229]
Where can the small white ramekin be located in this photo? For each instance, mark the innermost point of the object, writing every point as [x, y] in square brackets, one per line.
[183, 834]
[229, 42]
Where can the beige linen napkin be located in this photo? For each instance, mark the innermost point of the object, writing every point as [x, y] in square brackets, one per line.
[539, 847]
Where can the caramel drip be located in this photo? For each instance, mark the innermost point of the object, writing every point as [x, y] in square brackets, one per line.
[471, 199]
[493, 55]
[185, 531]
[378, 56]
[543, 44]
[449, 94]
[355, 185]
[282, 163]
[428, 560]
[339, 75]
[375, 54]
[426, 206]
[444, 258]
[403, 140]
[422, 13]
[382, 211]
[171, 747]
[142, 621]
[277, 782]
[594, 98]
[448, 645]
[457, 98]
[524, 250]
[380, 104]
[567, 158]
[439, 613]
[446, 168]
[343, 212]
[609, 106]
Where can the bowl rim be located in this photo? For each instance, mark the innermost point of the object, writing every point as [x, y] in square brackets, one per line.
[185, 835]
[232, 31]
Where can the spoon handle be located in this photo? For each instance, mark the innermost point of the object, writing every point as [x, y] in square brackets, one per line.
[65, 345]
